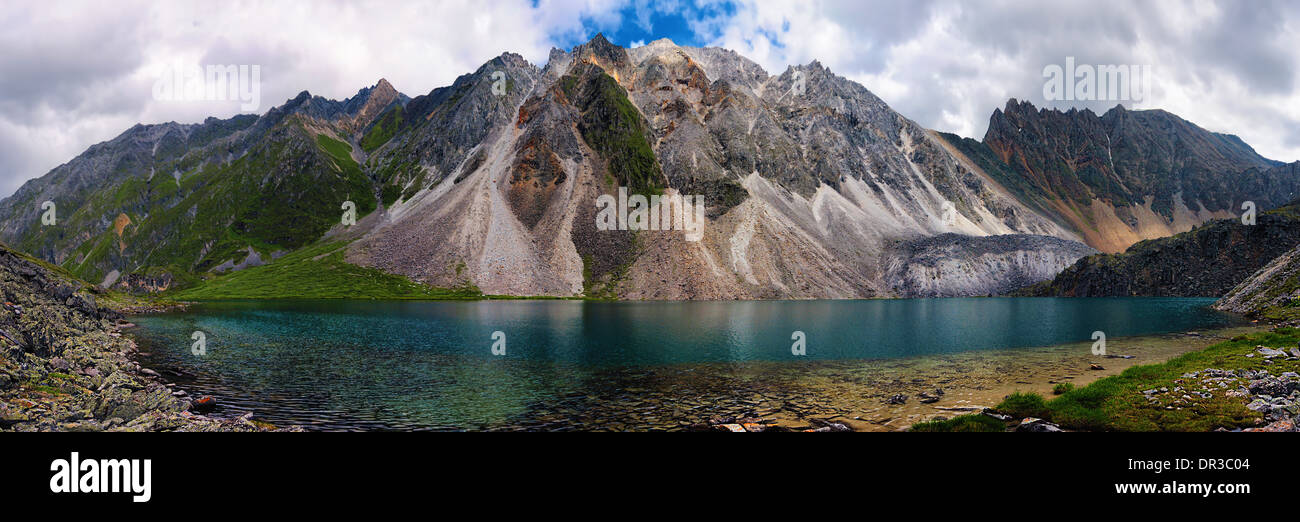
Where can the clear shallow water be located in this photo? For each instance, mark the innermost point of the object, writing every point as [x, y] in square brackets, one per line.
[575, 364]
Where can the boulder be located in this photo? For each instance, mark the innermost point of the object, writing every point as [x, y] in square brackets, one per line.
[1036, 425]
[207, 403]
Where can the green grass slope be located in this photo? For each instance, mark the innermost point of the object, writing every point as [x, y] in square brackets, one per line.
[1116, 403]
[318, 272]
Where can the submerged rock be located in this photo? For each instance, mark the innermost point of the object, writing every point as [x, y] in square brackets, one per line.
[205, 404]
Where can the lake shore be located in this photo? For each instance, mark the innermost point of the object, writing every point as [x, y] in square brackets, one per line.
[971, 382]
[65, 366]
[883, 394]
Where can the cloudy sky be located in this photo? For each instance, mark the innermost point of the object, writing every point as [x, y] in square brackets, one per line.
[73, 74]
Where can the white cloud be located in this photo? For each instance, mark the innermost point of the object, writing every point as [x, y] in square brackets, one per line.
[73, 74]
[1227, 66]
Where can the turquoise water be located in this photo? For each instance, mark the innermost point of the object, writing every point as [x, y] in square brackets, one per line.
[419, 364]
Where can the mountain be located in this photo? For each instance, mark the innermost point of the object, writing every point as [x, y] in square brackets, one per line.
[808, 189]
[163, 202]
[813, 186]
[1207, 261]
[1125, 176]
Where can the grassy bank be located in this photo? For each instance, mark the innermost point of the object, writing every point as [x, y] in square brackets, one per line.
[318, 272]
[1117, 403]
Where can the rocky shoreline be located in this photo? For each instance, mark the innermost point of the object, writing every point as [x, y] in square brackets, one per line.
[1273, 394]
[65, 366]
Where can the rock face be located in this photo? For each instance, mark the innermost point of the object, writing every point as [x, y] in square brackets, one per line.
[1126, 176]
[64, 366]
[1206, 262]
[952, 265]
[813, 186]
[1269, 293]
[808, 178]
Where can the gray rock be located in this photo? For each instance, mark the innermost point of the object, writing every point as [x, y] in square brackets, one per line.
[1036, 425]
[1270, 352]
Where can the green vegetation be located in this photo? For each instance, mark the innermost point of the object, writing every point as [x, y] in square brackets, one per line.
[284, 193]
[612, 126]
[1284, 282]
[51, 390]
[338, 150]
[51, 384]
[1116, 403]
[57, 270]
[395, 173]
[604, 288]
[1023, 405]
[383, 129]
[389, 194]
[1062, 388]
[1020, 185]
[319, 272]
[123, 301]
[962, 423]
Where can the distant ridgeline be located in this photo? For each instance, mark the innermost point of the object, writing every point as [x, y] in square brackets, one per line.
[1207, 261]
[813, 188]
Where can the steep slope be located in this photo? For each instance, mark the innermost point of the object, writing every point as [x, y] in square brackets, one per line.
[808, 188]
[455, 220]
[169, 201]
[1272, 293]
[953, 265]
[813, 186]
[1206, 261]
[1125, 176]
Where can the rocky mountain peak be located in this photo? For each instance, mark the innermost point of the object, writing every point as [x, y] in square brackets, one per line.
[805, 166]
[662, 42]
[602, 53]
[1128, 175]
[359, 110]
[383, 85]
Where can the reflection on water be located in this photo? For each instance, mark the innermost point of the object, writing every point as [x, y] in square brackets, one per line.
[574, 364]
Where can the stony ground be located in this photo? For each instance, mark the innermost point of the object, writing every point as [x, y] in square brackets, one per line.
[65, 367]
[1275, 394]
